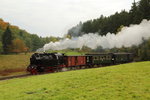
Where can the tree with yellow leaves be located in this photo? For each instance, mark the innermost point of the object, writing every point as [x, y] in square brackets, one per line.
[18, 46]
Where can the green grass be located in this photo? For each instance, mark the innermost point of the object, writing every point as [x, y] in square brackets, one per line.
[120, 82]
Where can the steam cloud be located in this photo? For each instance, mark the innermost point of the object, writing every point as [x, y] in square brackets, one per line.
[128, 36]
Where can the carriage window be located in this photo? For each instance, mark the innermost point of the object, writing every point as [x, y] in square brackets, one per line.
[87, 59]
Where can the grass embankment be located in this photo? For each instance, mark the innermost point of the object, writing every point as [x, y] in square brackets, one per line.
[121, 82]
[13, 64]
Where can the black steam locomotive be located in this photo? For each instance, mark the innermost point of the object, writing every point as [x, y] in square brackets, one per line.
[52, 62]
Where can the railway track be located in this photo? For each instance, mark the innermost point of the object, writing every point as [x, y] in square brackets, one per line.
[26, 75]
[17, 76]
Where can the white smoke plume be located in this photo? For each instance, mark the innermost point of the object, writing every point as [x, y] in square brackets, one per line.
[128, 36]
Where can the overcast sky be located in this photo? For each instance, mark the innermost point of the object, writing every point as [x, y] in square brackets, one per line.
[55, 17]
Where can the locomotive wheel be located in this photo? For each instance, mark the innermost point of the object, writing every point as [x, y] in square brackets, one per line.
[34, 70]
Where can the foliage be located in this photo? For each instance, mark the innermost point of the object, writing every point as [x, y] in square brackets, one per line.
[18, 46]
[85, 49]
[120, 28]
[144, 6]
[36, 42]
[75, 31]
[103, 25]
[7, 40]
[144, 50]
[3, 26]
[122, 82]
[134, 14]
[67, 36]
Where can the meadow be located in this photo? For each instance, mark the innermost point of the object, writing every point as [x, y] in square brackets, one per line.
[119, 82]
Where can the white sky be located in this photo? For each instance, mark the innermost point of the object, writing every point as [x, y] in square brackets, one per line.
[55, 17]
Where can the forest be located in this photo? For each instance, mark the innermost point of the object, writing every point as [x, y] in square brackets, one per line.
[114, 23]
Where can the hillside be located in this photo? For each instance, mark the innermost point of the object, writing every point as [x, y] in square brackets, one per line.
[120, 82]
[31, 41]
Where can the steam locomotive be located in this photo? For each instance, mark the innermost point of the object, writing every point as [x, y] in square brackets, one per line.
[53, 62]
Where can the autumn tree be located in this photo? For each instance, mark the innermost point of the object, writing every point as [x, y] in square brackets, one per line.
[18, 46]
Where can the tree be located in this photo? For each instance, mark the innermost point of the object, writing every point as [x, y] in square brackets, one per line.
[144, 9]
[134, 14]
[3, 26]
[18, 46]
[85, 48]
[99, 49]
[7, 40]
[67, 36]
[144, 50]
[75, 31]
[119, 29]
[36, 42]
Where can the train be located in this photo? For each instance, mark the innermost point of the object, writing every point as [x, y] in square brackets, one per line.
[55, 62]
